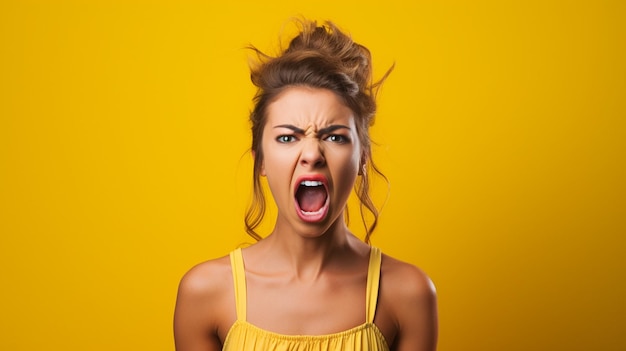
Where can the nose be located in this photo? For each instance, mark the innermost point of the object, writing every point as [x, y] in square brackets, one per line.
[312, 155]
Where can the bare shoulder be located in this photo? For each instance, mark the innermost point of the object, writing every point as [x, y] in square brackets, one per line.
[408, 306]
[404, 280]
[206, 278]
[204, 306]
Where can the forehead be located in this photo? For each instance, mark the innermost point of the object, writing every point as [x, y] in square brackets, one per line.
[309, 107]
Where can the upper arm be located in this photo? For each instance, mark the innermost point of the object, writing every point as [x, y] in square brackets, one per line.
[196, 316]
[416, 311]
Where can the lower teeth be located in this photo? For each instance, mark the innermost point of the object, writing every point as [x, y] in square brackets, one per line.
[311, 213]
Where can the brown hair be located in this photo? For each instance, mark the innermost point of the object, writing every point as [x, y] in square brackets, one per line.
[318, 57]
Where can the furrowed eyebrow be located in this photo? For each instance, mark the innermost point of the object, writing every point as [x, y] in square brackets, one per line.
[293, 128]
[331, 129]
[323, 131]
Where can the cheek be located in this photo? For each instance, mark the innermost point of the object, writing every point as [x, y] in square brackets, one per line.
[346, 174]
[277, 165]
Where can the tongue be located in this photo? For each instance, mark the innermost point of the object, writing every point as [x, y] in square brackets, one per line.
[311, 198]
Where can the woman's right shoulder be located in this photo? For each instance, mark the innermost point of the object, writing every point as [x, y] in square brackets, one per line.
[205, 306]
[207, 278]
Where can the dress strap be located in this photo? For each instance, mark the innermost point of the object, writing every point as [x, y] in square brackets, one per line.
[373, 281]
[239, 278]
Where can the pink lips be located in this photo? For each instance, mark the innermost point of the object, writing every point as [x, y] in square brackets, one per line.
[316, 216]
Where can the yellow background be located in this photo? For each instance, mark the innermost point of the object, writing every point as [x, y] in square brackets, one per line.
[123, 162]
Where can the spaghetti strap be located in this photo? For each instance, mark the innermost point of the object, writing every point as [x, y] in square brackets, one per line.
[244, 336]
[373, 282]
[239, 279]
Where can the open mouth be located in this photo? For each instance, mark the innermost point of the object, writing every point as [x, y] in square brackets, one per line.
[311, 199]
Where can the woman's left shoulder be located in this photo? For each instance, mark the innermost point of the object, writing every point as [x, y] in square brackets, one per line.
[407, 313]
[403, 279]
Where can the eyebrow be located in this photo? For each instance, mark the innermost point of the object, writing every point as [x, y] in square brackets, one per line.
[322, 131]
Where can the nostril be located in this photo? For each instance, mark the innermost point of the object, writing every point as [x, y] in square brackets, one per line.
[312, 161]
[312, 155]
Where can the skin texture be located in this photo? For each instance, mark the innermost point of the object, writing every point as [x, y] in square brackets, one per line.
[307, 277]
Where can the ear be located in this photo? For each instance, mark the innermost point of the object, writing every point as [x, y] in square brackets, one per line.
[262, 164]
[362, 165]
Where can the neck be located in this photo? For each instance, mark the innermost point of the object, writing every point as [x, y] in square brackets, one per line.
[308, 254]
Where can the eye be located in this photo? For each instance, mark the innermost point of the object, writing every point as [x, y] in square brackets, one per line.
[284, 139]
[337, 138]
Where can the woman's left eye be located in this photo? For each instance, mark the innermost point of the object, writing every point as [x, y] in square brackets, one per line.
[336, 138]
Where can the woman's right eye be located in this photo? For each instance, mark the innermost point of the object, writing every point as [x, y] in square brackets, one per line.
[286, 139]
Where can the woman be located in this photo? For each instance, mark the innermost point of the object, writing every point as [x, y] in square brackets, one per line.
[310, 284]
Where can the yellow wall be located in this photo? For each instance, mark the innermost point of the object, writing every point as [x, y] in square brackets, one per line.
[123, 162]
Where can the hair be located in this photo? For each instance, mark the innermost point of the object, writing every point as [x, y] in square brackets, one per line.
[326, 58]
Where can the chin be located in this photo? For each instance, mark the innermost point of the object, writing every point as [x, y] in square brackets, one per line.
[317, 229]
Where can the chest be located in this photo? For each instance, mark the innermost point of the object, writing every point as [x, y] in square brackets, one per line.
[324, 306]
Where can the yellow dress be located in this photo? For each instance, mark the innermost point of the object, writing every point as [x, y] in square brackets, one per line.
[244, 336]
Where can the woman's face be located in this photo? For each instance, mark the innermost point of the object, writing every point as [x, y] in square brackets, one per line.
[311, 157]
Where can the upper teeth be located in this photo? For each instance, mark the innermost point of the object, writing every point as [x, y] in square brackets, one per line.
[311, 183]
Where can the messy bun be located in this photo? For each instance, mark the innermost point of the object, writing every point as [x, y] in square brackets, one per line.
[320, 57]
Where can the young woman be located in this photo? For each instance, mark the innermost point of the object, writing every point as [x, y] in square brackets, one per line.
[310, 284]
